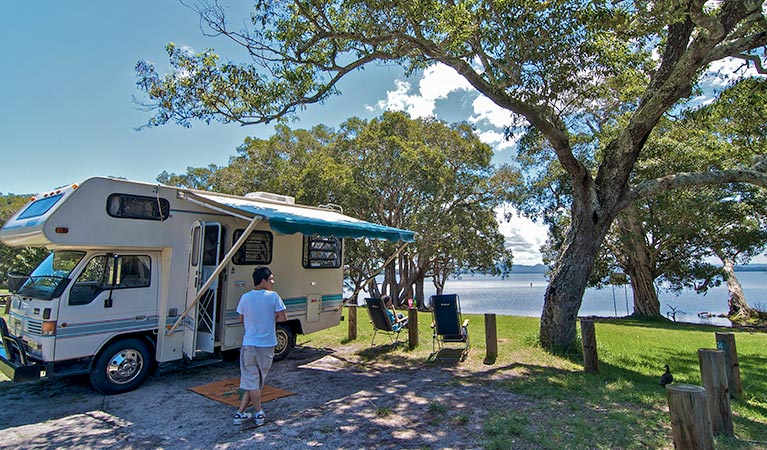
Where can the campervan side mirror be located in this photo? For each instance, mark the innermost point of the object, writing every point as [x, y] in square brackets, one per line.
[110, 275]
[16, 280]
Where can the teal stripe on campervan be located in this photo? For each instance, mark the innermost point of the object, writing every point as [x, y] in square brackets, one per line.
[232, 317]
[73, 330]
[295, 306]
[291, 218]
[170, 321]
[332, 302]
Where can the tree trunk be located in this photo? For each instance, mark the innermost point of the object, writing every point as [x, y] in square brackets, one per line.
[646, 301]
[564, 293]
[639, 263]
[419, 294]
[739, 309]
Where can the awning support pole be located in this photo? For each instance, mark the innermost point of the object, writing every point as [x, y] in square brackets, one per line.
[228, 257]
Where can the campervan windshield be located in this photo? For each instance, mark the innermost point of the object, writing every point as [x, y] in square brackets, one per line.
[50, 278]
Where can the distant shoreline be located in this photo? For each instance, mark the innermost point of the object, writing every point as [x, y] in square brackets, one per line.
[540, 268]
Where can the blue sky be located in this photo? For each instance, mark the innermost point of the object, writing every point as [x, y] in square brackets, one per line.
[68, 85]
[68, 82]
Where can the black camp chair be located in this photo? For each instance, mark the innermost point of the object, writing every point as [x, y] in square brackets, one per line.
[381, 322]
[449, 326]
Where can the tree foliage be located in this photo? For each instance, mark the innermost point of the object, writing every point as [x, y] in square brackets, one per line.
[421, 175]
[560, 66]
[23, 259]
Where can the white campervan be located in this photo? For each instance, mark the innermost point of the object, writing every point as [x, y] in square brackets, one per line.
[142, 273]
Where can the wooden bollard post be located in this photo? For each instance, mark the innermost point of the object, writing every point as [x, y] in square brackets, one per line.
[491, 339]
[726, 343]
[690, 421]
[714, 376]
[589, 338]
[352, 309]
[412, 327]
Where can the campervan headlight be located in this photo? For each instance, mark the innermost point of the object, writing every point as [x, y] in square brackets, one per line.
[49, 328]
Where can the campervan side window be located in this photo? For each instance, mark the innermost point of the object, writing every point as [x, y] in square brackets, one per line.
[322, 252]
[257, 249]
[133, 271]
[39, 207]
[127, 206]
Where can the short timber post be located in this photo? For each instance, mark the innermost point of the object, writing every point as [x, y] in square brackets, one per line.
[412, 327]
[714, 376]
[491, 339]
[589, 338]
[690, 421]
[726, 343]
[352, 309]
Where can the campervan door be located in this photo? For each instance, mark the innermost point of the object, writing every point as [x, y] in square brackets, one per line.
[111, 293]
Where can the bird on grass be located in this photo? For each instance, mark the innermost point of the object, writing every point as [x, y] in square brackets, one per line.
[666, 378]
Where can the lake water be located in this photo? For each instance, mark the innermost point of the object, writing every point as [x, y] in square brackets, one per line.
[522, 295]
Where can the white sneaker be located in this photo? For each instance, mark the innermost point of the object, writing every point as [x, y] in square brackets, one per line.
[260, 418]
[241, 417]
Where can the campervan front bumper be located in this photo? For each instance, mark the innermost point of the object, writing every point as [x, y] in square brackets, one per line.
[14, 363]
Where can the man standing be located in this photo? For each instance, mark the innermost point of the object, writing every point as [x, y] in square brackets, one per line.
[259, 310]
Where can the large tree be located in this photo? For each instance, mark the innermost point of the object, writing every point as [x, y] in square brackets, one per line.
[668, 237]
[554, 64]
[422, 175]
[436, 180]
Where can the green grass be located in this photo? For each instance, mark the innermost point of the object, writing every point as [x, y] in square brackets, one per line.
[622, 406]
[2, 308]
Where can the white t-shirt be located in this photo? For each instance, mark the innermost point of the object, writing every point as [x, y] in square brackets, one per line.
[258, 308]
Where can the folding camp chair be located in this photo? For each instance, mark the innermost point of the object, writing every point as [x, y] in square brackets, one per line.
[381, 321]
[449, 326]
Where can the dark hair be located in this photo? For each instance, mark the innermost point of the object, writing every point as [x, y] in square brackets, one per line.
[386, 299]
[260, 274]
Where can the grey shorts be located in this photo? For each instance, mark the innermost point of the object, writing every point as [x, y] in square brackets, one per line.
[255, 363]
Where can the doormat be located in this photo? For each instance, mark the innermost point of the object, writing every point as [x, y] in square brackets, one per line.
[228, 391]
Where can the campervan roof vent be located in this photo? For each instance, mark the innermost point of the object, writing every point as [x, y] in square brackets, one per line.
[268, 196]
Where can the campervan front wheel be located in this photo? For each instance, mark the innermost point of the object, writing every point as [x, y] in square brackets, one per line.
[285, 341]
[121, 366]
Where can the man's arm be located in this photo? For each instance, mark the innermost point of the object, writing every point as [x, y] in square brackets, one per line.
[281, 316]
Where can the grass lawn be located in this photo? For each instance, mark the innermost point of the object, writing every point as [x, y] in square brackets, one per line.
[2, 308]
[621, 407]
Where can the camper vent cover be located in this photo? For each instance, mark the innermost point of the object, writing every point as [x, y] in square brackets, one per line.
[268, 196]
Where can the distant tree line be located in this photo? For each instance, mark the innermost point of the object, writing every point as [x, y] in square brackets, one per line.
[21, 260]
[422, 175]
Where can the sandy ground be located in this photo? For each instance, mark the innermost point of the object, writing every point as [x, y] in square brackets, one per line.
[342, 402]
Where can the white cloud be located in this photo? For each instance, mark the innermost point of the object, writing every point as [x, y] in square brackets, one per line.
[524, 237]
[400, 99]
[486, 110]
[720, 74]
[438, 81]
[729, 69]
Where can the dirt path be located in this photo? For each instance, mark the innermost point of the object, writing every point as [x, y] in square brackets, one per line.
[341, 402]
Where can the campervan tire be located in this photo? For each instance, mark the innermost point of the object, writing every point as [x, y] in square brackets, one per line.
[121, 366]
[286, 340]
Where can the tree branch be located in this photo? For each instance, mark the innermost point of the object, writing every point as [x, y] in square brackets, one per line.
[755, 175]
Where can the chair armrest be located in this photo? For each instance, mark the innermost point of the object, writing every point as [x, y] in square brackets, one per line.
[466, 323]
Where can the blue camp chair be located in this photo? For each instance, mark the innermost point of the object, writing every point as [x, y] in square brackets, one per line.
[381, 321]
[449, 326]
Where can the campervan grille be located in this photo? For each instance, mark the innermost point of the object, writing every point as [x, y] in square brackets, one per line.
[34, 327]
